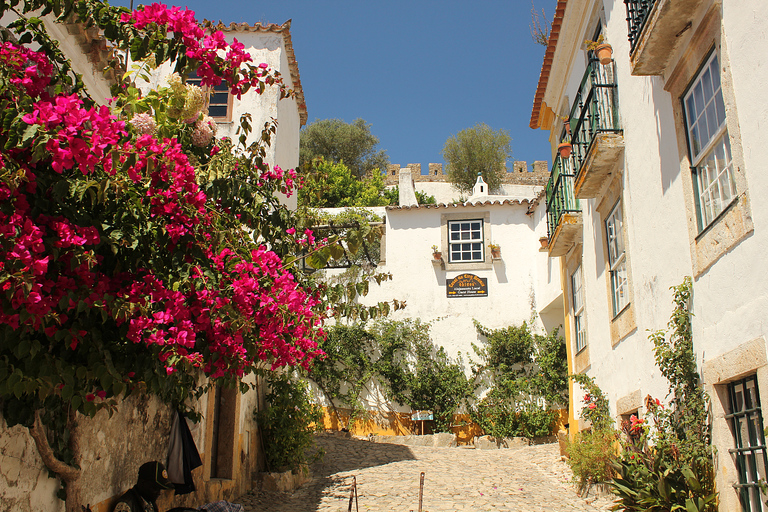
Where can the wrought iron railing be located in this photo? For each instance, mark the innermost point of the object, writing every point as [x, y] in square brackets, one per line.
[560, 198]
[595, 109]
[637, 14]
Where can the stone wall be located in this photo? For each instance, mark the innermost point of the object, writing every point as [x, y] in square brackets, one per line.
[520, 174]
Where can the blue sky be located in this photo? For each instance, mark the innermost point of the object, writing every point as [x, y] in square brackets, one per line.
[417, 71]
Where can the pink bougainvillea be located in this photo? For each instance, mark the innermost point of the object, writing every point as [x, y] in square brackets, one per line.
[237, 307]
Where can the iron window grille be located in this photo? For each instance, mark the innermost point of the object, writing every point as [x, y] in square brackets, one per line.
[750, 452]
[637, 15]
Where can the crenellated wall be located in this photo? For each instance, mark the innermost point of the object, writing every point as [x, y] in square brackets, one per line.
[520, 174]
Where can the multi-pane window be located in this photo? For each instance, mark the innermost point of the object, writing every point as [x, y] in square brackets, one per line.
[578, 309]
[465, 240]
[708, 143]
[617, 259]
[218, 101]
[747, 427]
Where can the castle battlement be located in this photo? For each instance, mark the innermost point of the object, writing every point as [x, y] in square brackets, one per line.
[520, 174]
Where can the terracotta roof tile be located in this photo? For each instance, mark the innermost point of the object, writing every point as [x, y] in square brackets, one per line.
[467, 204]
[293, 66]
[546, 67]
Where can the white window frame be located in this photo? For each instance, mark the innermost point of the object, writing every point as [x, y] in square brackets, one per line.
[709, 146]
[577, 303]
[617, 259]
[466, 237]
[464, 265]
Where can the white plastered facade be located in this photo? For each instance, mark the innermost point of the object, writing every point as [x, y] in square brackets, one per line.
[653, 184]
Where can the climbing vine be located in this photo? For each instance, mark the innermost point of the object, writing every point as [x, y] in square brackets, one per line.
[525, 375]
[400, 356]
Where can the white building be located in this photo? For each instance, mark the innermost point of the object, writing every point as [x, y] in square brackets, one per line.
[520, 285]
[112, 448]
[666, 167]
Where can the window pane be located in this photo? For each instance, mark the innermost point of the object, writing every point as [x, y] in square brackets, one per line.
[712, 124]
[713, 67]
[698, 96]
[217, 110]
[620, 292]
[716, 182]
[465, 240]
[706, 82]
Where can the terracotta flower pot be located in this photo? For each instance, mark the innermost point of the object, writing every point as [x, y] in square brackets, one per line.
[604, 53]
[437, 255]
[564, 149]
[496, 253]
[544, 241]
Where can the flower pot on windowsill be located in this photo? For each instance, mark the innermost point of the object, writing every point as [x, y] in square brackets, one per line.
[564, 149]
[496, 254]
[544, 241]
[604, 53]
[437, 255]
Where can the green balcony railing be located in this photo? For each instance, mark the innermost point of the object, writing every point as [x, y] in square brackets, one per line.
[560, 198]
[637, 14]
[594, 110]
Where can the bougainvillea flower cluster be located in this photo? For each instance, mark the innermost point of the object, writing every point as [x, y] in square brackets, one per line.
[81, 191]
[205, 48]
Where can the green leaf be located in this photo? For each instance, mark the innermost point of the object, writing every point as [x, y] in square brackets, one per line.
[29, 134]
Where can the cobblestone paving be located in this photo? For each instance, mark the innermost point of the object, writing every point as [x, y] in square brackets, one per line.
[531, 479]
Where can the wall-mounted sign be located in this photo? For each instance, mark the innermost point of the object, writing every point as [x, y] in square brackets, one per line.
[422, 416]
[467, 285]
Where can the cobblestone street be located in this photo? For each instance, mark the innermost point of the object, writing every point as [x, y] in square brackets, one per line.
[529, 479]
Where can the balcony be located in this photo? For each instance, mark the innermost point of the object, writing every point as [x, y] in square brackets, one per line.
[597, 139]
[655, 27]
[563, 209]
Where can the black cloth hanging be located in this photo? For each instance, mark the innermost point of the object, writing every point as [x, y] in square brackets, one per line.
[183, 456]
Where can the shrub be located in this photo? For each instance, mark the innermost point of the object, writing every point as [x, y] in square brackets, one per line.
[527, 375]
[591, 457]
[288, 423]
[669, 466]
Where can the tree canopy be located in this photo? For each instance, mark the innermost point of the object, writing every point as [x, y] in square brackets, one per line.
[350, 143]
[331, 185]
[477, 150]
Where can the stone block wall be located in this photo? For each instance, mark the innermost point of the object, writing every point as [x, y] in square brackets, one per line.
[520, 174]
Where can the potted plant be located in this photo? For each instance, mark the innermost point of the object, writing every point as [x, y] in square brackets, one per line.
[564, 148]
[544, 241]
[603, 51]
[495, 250]
[436, 253]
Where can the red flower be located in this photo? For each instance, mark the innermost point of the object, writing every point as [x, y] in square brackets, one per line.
[635, 423]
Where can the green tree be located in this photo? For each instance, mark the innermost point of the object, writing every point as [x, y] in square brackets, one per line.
[337, 141]
[477, 150]
[331, 185]
[393, 196]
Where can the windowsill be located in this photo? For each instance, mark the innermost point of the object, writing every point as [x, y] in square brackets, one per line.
[478, 265]
[617, 315]
[623, 324]
[723, 234]
[720, 215]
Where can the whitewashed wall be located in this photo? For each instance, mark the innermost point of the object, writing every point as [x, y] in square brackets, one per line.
[731, 297]
[514, 284]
